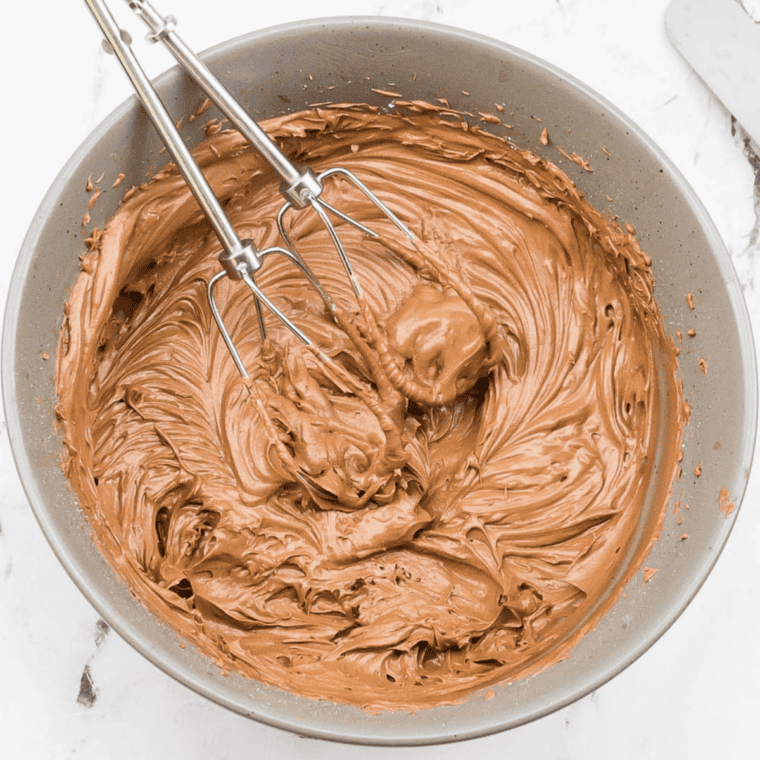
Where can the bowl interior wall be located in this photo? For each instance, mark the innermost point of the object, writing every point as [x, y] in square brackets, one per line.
[342, 60]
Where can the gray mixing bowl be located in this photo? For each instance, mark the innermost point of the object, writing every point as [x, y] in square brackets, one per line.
[342, 60]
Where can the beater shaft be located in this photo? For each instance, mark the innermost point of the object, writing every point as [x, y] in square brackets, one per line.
[301, 188]
[241, 259]
[297, 185]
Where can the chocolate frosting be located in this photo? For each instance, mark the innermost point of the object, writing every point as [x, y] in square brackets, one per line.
[455, 495]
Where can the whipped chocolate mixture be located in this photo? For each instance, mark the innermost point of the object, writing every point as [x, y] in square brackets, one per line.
[452, 499]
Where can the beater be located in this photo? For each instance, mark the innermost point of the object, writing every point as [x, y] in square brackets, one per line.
[240, 259]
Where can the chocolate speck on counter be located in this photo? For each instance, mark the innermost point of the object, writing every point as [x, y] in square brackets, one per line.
[102, 631]
[87, 692]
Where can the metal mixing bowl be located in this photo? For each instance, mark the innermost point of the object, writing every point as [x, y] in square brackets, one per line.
[342, 60]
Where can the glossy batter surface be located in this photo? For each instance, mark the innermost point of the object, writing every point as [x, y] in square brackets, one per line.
[456, 496]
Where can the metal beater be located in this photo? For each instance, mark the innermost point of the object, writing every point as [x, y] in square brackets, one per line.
[302, 189]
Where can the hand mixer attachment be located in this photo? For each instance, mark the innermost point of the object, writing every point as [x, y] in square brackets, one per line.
[240, 259]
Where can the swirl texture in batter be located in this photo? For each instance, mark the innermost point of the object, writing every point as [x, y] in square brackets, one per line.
[456, 496]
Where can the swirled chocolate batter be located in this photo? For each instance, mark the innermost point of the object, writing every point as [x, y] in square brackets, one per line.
[456, 496]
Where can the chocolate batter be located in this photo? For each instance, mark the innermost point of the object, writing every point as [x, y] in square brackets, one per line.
[455, 497]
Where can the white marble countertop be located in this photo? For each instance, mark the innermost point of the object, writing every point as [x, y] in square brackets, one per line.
[72, 688]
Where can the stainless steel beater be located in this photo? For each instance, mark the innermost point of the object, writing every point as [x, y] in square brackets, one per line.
[302, 189]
